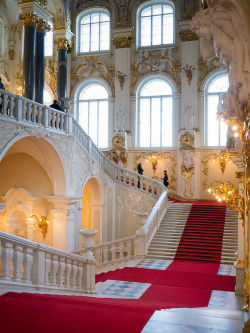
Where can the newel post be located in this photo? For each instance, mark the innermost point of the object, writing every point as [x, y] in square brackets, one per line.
[90, 262]
[141, 235]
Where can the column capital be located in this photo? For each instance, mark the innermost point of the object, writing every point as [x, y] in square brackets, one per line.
[63, 43]
[37, 7]
[29, 19]
[42, 26]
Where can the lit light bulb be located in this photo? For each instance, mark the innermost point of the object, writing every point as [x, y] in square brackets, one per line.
[209, 190]
[234, 128]
[219, 199]
[229, 192]
[224, 198]
[236, 134]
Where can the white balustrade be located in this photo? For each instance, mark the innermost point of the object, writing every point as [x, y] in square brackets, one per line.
[58, 270]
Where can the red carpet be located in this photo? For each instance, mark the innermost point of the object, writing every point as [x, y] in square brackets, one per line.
[182, 284]
[203, 234]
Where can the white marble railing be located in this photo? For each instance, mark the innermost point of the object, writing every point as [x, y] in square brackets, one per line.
[21, 109]
[134, 246]
[28, 265]
[112, 252]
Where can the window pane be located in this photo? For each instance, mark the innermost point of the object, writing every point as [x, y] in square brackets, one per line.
[104, 36]
[104, 17]
[95, 37]
[95, 17]
[155, 122]
[212, 122]
[156, 30]
[103, 125]
[47, 98]
[157, 9]
[93, 121]
[168, 29]
[83, 116]
[146, 31]
[85, 19]
[156, 87]
[146, 11]
[167, 9]
[84, 41]
[93, 91]
[144, 123]
[166, 121]
[219, 84]
[48, 43]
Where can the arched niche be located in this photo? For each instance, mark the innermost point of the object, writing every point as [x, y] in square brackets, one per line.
[92, 203]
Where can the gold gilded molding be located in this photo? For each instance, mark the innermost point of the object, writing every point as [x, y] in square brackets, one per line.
[188, 69]
[122, 42]
[63, 44]
[205, 67]
[187, 174]
[118, 141]
[42, 26]
[29, 19]
[121, 77]
[187, 35]
[187, 141]
[117, 156]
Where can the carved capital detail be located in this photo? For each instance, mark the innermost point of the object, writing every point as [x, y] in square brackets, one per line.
[122, 42]
[42, 26]
[63, 44]
[29, 19]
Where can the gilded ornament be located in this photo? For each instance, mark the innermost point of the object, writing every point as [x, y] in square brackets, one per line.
[188, 71]
[121, 77]
[63, 43]
[29, 19]
[187, 35]
[122, 42]
[42, 26]
[187, 174]
[187, 141]
[118, 141]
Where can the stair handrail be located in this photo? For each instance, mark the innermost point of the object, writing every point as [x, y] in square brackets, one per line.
[21, 109]
[32, 265]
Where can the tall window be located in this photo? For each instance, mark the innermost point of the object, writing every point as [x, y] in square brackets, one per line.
[155, 25]
[154, 114]
[48, 43]
[216, 130]
[93, 113]
[94, 31]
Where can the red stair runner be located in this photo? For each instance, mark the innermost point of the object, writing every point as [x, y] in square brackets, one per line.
[203, 234]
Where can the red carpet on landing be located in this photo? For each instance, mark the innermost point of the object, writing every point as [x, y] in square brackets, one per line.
[187, 282]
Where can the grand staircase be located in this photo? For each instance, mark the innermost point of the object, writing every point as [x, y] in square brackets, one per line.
[210, 235]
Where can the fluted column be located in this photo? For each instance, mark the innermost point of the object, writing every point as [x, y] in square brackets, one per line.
[42, 27]
[62, 47]
[29, 21]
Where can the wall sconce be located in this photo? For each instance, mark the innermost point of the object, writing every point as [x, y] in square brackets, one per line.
[223, 157]
[42, 223]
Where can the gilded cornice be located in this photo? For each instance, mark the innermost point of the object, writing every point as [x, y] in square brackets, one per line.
[122, 42]
[187, 35]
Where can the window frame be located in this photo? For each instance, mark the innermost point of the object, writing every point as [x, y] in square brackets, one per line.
[78, 30]
[139, 98]
[78, 101]
[215, 76]
[51, 31]
[138, 26]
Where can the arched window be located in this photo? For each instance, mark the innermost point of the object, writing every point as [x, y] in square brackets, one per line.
[93, 31]
[48, 43]
[93, 112]
[154, 114]
[155, 24]
[216, 130]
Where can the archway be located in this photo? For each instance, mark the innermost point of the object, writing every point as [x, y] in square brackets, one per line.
[92, 208]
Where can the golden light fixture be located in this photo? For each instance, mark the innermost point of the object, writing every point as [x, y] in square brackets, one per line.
[42, 223]
[223, 157]
[226, 192]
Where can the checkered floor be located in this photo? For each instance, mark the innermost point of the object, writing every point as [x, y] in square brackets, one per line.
[121, 289]
[154, 264]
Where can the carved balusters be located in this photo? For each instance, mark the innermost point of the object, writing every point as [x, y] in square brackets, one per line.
[57, 120]
[121, 250]
[39, 114]
[5, 105]
[34, 113]
[11, 106]
[67, 272]
[105, 254]
[54, 268]
[79, 275]
[60, 272]
[17, 262]
[129, 248]
[62, 119]
[113, 252]
[53, 119]
[47, 268]
[98, 255]
[29, 111]
[7, 255]
[73, 273]
[24, 111]
[27, 264]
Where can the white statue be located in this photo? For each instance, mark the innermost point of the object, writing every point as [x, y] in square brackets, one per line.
[121, 116]
[189, 117]
[224, 31]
